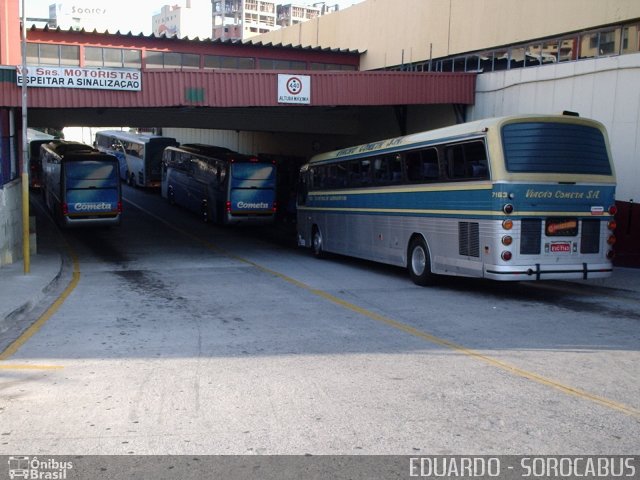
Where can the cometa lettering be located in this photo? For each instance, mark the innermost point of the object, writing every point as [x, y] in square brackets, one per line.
[83, 207]
[252, 205]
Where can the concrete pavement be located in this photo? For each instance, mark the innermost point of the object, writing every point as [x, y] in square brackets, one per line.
[24, 297]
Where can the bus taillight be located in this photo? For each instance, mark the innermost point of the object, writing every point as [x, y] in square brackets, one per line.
[611, 240]
[507, 224]
[610, 254]
[227, 206]
[506, 255]
[274, 209]
[508, 209]
[507, 240]
[65, 208]
[612, 225]
[119, 207]
[613, 210]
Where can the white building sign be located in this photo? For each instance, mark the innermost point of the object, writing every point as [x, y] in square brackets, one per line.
[294, 89]
[77, 77]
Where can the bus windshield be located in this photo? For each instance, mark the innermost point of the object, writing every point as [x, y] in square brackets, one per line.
[554, 147]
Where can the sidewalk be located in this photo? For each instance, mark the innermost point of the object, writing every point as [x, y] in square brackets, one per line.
[21, 293]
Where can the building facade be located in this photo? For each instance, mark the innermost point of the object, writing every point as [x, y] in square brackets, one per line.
[192, 20]
[292, 14]
[243, 19]
[542, 57]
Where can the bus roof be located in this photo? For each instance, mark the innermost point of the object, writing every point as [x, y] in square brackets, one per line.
[452, 132]
[64, 147]
[134, 137]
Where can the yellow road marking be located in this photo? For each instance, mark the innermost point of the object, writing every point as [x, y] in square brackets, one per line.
[512, 369]
[29, 332]
[18, 366]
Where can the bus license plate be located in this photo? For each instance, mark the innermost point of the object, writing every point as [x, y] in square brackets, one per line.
[561, 247]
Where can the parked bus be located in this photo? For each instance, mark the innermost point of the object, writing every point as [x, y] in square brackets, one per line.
[36, 139]
[512, 198]
[223, 186]
[139, 154]
[81, 185]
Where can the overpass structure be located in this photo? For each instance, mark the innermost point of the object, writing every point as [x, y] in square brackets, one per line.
[93, 79]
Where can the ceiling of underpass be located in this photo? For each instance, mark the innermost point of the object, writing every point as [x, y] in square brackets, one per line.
[338, 120]
[358, 121]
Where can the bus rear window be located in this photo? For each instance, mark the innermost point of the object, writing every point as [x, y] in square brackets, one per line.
[253, 171]
[548, 147]
[91, 173]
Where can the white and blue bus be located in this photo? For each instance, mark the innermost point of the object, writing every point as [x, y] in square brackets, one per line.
[514, 198]
[221, 185]
[80, 185]
[139, 154]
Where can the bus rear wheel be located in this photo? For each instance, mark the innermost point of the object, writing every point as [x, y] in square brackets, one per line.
[316, 243]
[419, 263]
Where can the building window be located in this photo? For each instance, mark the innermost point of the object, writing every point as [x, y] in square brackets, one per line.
[111, 57]
[155, 59]
[50, 54]
[220, 61]
[630, 39]
[617, 40]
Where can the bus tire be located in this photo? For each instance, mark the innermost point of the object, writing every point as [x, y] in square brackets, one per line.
[419, 262]
[204, 211]
[316, 243]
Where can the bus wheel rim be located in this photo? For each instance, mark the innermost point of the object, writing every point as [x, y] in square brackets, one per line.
[418, 260]
[317, 242]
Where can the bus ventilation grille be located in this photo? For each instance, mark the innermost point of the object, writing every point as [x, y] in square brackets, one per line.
[530, 236]
[469, 238]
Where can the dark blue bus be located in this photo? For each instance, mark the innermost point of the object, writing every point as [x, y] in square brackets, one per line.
[223, 186]
[81, 186]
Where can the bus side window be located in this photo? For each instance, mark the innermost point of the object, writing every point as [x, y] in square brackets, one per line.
[455, 159]
[476, 158]
[467, 160]
[387, 170]
[422, 165]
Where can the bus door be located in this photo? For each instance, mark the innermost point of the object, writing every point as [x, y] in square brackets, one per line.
[35, 163]
[152, 154]
[252, 189]
[117, 150]
[91, 190]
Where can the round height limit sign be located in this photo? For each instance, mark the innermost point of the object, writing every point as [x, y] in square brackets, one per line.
[294, 89]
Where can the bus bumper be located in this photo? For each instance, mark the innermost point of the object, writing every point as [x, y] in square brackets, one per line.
[93, 221]
[520, 273]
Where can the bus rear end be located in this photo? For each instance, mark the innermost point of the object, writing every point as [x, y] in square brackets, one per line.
[251, 192]
[91, 190]
[556, 198]
[153, 151]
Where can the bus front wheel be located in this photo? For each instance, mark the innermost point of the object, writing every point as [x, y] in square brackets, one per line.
[419, 263]
[316, 243]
